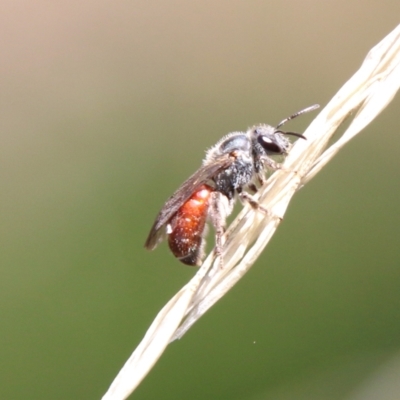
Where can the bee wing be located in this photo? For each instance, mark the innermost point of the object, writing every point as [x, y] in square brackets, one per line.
[172, 205]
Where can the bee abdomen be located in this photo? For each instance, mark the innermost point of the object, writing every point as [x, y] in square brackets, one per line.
[186, 229]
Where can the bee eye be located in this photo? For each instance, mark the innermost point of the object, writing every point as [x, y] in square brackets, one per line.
[269, 145]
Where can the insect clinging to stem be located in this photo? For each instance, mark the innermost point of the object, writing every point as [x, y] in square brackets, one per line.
[234, 166]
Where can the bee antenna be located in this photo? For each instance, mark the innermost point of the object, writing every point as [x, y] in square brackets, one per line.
[308, 109]
[299, 135]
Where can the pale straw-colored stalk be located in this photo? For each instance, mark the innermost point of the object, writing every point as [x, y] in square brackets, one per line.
[364, 96]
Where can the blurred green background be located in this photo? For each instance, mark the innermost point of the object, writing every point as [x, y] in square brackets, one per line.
[106, 107]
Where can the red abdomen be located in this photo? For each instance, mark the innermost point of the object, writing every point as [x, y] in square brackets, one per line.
[186, 228]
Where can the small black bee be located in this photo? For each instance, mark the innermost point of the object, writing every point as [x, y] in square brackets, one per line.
[235, 164]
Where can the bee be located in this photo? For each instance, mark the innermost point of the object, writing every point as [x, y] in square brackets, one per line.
[232, 167]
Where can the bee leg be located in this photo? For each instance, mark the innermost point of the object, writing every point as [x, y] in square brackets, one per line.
[261, 178]
[220, 208]
[219, 235]
[253, 187]
[246, 197]
[271, 164]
